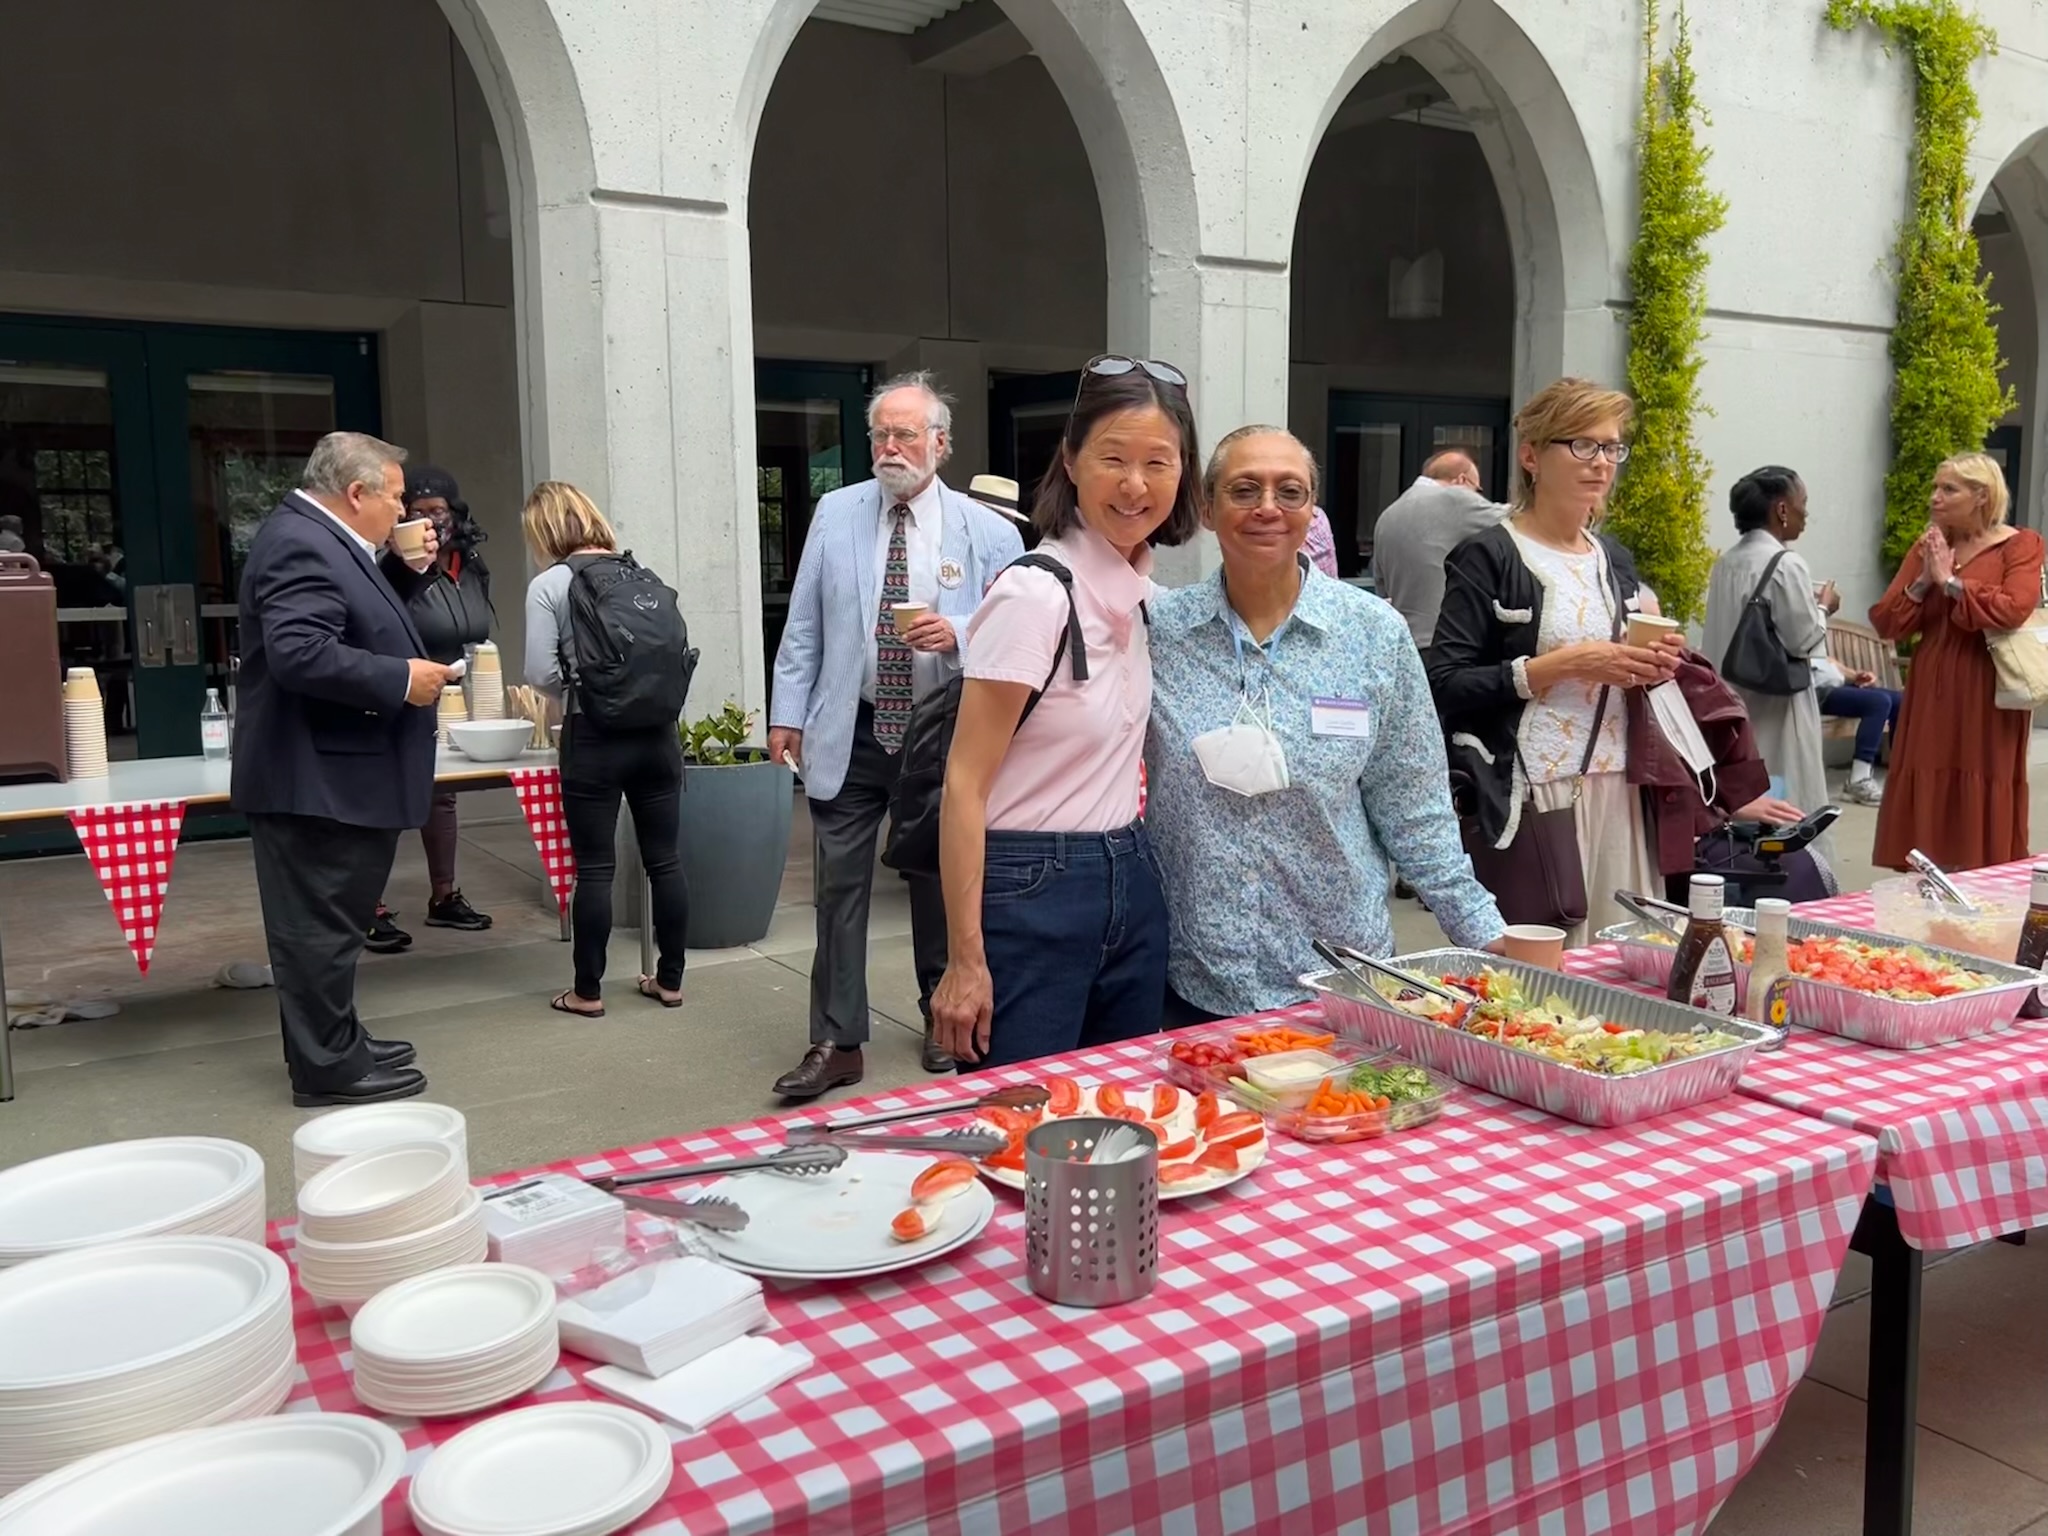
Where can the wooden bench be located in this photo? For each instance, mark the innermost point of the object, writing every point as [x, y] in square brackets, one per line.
[1857, 648]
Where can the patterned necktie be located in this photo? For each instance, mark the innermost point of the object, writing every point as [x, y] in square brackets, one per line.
[893, 696]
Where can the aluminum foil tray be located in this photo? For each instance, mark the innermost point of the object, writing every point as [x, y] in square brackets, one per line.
[1352, 1008]
[1884, 1022]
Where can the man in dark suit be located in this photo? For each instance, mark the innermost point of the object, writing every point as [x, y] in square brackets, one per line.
[333, 752]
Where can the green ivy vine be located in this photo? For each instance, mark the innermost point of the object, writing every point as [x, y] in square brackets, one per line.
[1946, 394]
[1660, 505]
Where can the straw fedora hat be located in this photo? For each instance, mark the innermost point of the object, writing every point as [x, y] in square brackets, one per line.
[999, 493]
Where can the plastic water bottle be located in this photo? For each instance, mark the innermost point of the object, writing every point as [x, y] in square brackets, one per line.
[213, 726]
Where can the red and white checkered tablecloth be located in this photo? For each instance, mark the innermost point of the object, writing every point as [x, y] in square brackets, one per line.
[1962, 1130]
[540, 800]
[1500, 1321]
[131, 848]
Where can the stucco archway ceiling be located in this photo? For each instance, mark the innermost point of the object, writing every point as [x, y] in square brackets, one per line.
[885, 15]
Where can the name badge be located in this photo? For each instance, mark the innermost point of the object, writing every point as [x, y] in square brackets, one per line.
[1340, 717]
[951, 573]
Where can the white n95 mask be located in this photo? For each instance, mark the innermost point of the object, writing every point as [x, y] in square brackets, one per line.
[1674, 718]
[1243, 757]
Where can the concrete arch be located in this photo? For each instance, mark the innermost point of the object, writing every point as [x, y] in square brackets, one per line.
[1542, 170]
[1098, 57]
[2020, 187]
[523, 65]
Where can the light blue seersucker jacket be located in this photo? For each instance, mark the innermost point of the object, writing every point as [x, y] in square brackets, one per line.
[832, 611]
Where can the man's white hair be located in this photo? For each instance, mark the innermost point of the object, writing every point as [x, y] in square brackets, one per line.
[342, 459]
[939, 405]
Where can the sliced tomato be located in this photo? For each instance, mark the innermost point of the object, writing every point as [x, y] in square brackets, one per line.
[1206, 1109]
[1010, 1121]
[1165, 1100]
[1238, 1139]
[1129, 1112]
[1109, 1100]
[912, 1224]
[1066, 1096]
[1011, 1157]
[1218, 1155]
[1224, 1126]
[1181, 1173]
[1159, 1132]
[1177, 1151]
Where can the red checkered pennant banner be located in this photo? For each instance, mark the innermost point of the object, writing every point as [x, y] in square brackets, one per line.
[132, 848]
[540, 797]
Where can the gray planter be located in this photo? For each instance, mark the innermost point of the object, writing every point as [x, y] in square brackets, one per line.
[735, 837]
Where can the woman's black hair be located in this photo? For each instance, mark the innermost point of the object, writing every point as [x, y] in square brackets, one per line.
[1757, 492]
[1056, 509]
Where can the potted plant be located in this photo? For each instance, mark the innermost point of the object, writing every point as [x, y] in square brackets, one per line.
[735, 829]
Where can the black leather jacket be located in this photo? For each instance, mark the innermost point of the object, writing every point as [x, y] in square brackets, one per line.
[450, 614]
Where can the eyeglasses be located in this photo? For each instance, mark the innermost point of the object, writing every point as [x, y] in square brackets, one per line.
[902, 437]
[1247, 495]
[1587, 449]
[1111, 365]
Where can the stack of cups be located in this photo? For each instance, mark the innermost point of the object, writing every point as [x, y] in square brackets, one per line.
[454, 710]
[85, 724]
[486, 684]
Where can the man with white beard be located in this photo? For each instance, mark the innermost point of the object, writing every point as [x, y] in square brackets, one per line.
[892, 570]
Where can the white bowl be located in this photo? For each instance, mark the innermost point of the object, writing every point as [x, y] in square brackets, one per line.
[490, 741]
[391, 1192]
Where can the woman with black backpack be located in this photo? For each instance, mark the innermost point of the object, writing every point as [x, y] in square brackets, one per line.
[621, 692]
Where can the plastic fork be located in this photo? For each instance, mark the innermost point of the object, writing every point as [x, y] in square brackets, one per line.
[800, 1162]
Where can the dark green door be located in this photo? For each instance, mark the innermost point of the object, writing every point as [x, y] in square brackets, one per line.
[136, 462]
[810, 437]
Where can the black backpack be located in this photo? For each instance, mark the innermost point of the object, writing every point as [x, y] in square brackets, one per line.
[913, 845]
[626, 656]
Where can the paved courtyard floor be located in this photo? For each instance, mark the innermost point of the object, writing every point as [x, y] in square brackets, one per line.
[184, 1057]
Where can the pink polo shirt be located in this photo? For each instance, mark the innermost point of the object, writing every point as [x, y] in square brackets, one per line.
[1074, 765]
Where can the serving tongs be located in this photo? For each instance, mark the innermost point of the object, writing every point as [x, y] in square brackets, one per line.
[961, 1143]
[799, 1162]
[1016, 1096]
[713, 1212]
[1657, 914]
[1937, 884]
[1349, 960]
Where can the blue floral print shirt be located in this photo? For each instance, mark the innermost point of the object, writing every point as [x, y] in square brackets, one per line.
[1250, 881]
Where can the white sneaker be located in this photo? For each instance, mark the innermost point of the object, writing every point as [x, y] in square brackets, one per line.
[1864, 792]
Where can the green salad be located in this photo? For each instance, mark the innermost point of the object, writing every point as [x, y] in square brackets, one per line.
[1506, 1013]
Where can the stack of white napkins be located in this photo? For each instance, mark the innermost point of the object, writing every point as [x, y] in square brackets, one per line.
[710, 1387]
[662, 1316]
[557, 1226]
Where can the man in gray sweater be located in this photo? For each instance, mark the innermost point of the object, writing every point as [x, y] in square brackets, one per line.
[1423, 524]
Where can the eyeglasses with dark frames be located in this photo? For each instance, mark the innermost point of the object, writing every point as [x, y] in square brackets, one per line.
[1587, 449]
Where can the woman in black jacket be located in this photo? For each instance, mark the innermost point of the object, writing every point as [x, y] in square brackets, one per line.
[1527, 664]
[451, 610]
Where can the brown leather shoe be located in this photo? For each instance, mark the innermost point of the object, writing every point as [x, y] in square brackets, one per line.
[934, 1058]
[823, 1067]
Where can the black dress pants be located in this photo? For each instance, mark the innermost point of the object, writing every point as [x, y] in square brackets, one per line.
[318, 882]
[847, 826]
[645, 768]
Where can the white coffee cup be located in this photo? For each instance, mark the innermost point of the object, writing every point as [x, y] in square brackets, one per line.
[907, 614]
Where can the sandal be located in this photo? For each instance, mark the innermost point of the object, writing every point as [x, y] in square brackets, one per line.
[650, 987]
[561, 1005]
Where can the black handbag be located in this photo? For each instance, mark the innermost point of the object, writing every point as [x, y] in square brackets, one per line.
[1756, 657]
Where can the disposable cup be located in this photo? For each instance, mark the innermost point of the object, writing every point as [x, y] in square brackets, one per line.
[409, 538]
[1534, 944]
[907, 614]
[1646, 629]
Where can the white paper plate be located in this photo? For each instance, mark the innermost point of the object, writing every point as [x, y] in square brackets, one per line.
[342, 1133]
[123, 1189]
[837, 1224]
[560, 1469]
[306, 1474]
[1180, 1122]
[80, 1317]
[453, 1399]
[384, 1193]
[452, 1313]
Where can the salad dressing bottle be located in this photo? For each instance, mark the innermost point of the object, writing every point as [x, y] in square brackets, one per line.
[2034, 943]
[1703, 974]
[1770, 966]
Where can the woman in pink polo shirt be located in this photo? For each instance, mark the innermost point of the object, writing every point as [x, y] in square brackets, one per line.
[1055, 920]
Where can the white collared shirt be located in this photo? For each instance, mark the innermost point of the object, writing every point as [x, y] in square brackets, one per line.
[924, 533]
[362, 543]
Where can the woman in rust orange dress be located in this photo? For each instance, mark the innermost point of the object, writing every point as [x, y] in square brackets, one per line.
[1958, 786]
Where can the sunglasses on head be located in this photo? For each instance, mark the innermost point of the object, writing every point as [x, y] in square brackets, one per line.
[1112, 364]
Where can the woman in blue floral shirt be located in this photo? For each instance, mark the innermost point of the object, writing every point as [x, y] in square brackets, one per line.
[1293, 752]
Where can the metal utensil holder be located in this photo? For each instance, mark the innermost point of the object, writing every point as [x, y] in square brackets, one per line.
[1091, 1230]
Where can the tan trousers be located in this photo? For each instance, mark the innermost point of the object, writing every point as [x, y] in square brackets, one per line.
[1614, 846]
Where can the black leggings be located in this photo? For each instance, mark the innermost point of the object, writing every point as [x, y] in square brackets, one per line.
[646, 767]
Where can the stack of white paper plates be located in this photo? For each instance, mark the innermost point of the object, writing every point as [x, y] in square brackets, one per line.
[306, 1474]
[116, 1343]
[126, 1189]
[329, 1138]
[455, 1341]
[562, 1469]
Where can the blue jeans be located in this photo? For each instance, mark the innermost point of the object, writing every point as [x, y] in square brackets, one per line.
[1074, 925]
[1873, 709]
